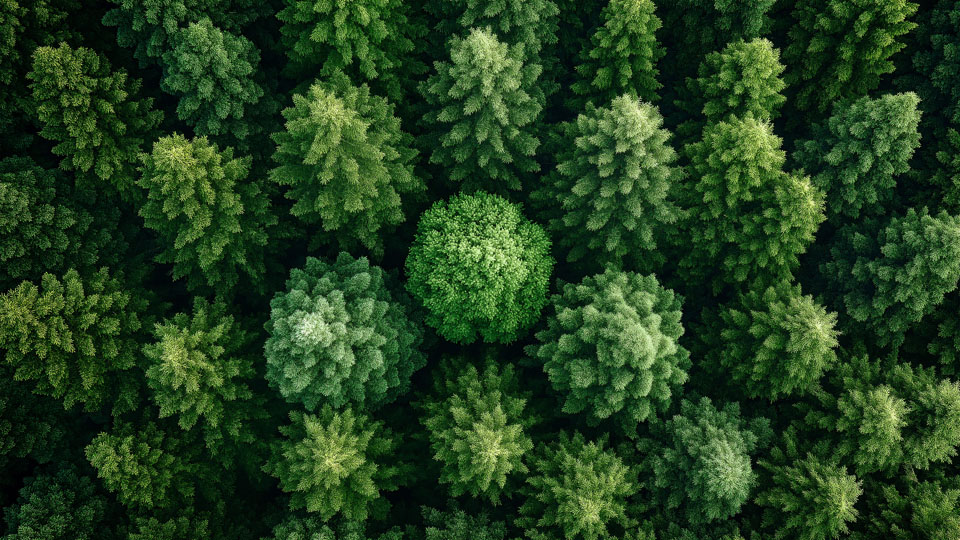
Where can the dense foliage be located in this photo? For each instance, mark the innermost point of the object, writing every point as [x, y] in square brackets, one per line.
[479, 270]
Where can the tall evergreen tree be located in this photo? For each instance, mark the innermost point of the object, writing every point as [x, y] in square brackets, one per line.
[839, 49]
[480, 120]
[455, 524]
[611, 195]
[31, 426]
[341, 333]
[857, 154]
[611, 347]
[921, 510]
[60, 503]
[211, 221]
[92, 113]
[479, 267]
[347, 163]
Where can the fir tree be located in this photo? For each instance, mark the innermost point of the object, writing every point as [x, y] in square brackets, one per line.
[610, 347]
[480, 121]
[31, 426]
[921, 510]
[455, 524]
[341, 333]
[59, 503]
[347, 163]
[479, 267]
[312, 528]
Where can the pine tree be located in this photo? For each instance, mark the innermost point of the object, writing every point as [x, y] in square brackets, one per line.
[623, 55]
[921, 510]
[347, 163]
[748, 219]
[610, 347]
[59, 503]
[575, 490]
[481, 116]
[198, 371]
[455, 524]
[477, 427]
[75, 337]
[479, 267]
[341, 333]
[856, 155]
[614, 184]
[775, 342]
[368, 40]
[839, 49]
[335, 463]
[212, 71]
[702, 461]
[892, 280]
[211, 221]
[90, 110]
[31, 426]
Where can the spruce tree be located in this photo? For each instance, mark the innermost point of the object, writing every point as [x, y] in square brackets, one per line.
[701, 462]
[212, 72]
[211, 221]
[530, 23]
[477, 426]
[297, 527]
[575, 490]
[610, 347]
[890, 281]
[611, 195]
[622, 57]
[855, 157]
[747, 218]
[839, 49]
[341, 333]
[91, 112]
[76, 338]
[335, 463]
[480, 268]
[60, 503]
[920, 510]
[455, 524]
[31, 426]
[347, 163]
[481, 113]
[775, 342]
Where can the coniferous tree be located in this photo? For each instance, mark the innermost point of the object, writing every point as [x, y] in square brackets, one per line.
[212, 72]
[341, 333]
[839, 49]
[476, 424]
[31, 426]
[59, 503]
[347, 163]
[702, 463]
[775, 342]
[746, 215]
[481, 115]
[91, 112]
[335, 463]
[855, 157]
[455, 524]
[611, 347]
[75, 337]
[575, 490]
[211, 221]
[479, 267]
[611, 195]
[622, 57]
[311, 528]
[922, 510]
[891, 280]
[198, 371]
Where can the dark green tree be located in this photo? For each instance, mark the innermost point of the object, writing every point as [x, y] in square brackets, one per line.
[90, 110]
[213, 73]
[297, 527]
[479, 267]
[622, 57]
[775, 342]
[477, 427]
[335, 463]
[211, 221]
[59, 503]
[856, 155]
[892, 280]
[347, 163]
[575, 490]
[75, 337]
[341, 333]
[610, 347]
[921, 510]
[480, 121]
[455, 524]
[748, 219]
[31, 426]
[611, 195]
[701, 461]
[182, 527]
[839, 49]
